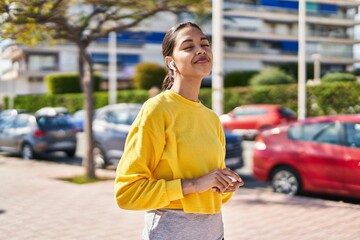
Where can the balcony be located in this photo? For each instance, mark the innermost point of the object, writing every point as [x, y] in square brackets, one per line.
[268, 34]
[273, 14]
[278, 55]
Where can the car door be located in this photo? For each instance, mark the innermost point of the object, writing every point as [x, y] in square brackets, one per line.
[6, 134]
[21, 129]
[322, 156]
[352, 157]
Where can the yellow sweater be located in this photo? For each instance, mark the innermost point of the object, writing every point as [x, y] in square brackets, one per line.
[171, 139]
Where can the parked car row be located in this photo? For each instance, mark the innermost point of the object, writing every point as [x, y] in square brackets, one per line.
[54, 129]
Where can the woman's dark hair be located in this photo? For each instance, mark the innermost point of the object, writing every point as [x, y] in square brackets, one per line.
[168, 45]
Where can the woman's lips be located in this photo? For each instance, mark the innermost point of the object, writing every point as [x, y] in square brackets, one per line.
[202, 60]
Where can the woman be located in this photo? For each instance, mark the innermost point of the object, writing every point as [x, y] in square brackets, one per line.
[173, 164]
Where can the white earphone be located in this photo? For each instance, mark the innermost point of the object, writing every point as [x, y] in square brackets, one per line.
[172, 66]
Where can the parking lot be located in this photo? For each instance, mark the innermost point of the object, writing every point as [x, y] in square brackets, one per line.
[36, 204]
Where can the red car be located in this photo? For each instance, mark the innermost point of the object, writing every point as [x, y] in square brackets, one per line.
[319, 155]
[248, 120]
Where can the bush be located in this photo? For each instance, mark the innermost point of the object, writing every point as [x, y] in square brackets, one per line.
[293, 69]
[67, 83]
[271, 76]
[238, 78]
[148, 75]
[338, 77]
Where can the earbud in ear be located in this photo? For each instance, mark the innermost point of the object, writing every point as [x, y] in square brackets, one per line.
[172, 66]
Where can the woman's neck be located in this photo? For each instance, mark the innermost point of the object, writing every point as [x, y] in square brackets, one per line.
[188, 90]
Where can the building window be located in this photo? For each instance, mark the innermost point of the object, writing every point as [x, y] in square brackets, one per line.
[42, 62]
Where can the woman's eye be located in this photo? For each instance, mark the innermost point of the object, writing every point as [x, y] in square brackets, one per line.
[189, 47]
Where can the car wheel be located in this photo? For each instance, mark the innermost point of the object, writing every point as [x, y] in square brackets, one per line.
[71, 153]
[286, 180]
[27, 151]
[99, 157]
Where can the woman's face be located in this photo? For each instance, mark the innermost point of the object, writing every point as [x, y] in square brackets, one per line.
[192, 54]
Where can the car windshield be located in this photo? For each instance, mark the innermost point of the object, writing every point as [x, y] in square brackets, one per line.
[60, 121]
[122, 117]
[249, 112]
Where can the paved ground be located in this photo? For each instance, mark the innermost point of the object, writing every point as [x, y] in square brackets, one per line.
[34, 204]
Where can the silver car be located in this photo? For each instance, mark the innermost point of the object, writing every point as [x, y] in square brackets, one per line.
[111, 125]
[29, 135]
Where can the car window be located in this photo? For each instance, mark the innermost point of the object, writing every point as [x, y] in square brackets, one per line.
[21, 121]
[60, 121]
[6, 123]
[249, 112]
[319, 132]
[329, 134]
[286, 112]
[352, 134]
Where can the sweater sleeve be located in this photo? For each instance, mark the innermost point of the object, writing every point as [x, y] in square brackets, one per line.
[135, 186]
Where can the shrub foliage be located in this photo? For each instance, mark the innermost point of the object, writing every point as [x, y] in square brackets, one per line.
[238, 78]
[67, 83]
[338, 77]
[271, 76]
[148, 75]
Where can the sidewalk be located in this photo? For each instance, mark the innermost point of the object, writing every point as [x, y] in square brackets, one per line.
[34, 204]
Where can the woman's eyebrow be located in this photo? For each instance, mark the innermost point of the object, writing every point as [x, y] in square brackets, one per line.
[190, 40]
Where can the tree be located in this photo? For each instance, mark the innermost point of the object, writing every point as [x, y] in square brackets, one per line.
[81, 22]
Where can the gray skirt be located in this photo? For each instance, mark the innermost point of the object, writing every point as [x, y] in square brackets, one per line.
[163, 224]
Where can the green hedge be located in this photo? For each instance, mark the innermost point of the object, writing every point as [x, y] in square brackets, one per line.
[338, 77]
[67, 83]
[238, 78]
[323, 99]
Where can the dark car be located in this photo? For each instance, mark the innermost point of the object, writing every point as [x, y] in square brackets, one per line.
[248, 120]
[112, 124]
[320, 154]
[29, 135]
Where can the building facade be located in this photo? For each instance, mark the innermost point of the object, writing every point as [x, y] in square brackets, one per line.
[266, 32]
[257, 34]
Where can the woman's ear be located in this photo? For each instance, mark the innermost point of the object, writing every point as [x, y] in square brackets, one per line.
[170, 63]
[168, 59]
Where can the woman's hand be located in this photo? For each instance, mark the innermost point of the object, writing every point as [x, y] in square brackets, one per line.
[237, 182]
[216, 180]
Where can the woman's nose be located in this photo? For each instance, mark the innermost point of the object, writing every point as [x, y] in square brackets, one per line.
[200, 51]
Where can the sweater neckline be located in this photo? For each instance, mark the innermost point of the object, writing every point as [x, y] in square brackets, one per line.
[182, 99]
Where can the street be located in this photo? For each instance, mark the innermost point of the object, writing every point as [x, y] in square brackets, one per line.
[36, 204]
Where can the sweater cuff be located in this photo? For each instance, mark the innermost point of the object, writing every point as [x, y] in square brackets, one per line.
[174, 189]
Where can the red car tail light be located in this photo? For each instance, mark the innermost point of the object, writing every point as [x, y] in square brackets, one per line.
[39, 133]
